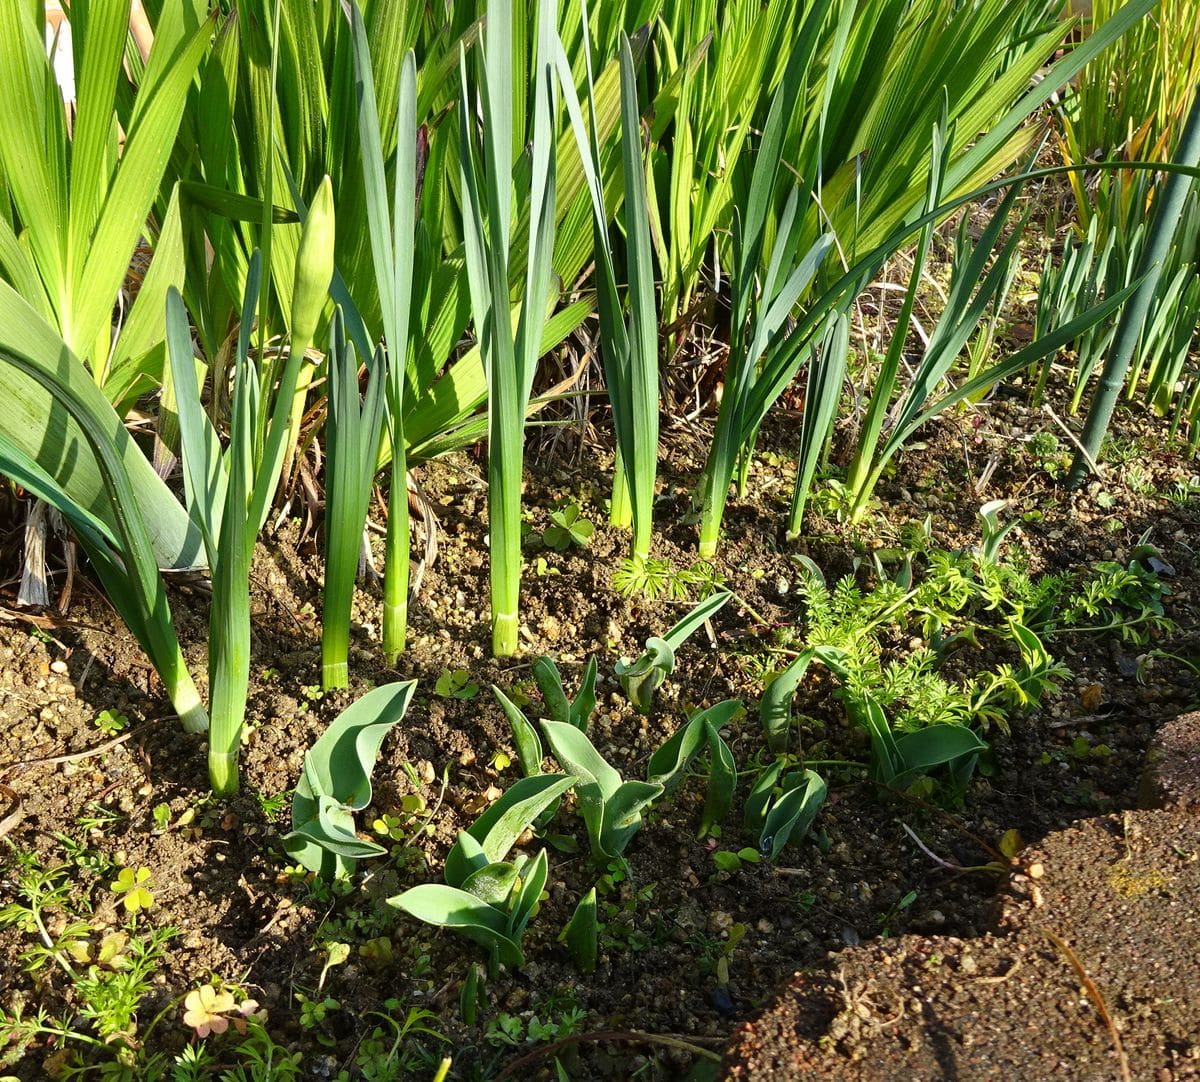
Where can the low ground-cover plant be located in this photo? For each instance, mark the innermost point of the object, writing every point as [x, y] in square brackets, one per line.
[918, 718]
[110, 970]
[567, 527]
[113, 975]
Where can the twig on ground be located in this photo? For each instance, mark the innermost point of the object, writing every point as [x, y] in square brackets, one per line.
[73, 757]
[1094, 994]
[622, 1035]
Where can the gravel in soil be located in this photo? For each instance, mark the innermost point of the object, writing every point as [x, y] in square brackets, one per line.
[666, 967]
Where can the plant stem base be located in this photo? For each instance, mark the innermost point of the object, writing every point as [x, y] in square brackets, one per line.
[335, 674]
[223, 773]
[192, 715]
[504, 634]
[395, 631]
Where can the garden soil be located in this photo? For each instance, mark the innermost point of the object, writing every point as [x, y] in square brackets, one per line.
[889, 914]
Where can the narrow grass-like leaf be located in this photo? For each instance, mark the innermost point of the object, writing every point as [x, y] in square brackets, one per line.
[508, 359]
[822, 396]
[125, 554]
[51, 436]
[352, 445]
[393, 252]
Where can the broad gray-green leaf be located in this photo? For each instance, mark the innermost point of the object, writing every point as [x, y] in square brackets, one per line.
[722, 780]
[498, 827]
[668, 764]
[581, 933]
[886, 763]
[754, 815]
[525, 737]
[622, 816]
[469, 858]
[549, 680]
[935, 745]
[775, 710]
[328, 844]
[448, 907]
[578, 756]
[794, 811]
[640, 679]
[534, 874]
[344, 755]
[337, 769]
[492, 883]
[694, 619]
[585, 700]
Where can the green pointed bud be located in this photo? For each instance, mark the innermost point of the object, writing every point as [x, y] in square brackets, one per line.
[314, 266]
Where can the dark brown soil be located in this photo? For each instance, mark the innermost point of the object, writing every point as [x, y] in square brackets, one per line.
[1090, 973]
[219, 874]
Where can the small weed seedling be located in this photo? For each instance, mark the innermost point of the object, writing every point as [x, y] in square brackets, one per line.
[133, 887]
[455, 684]
[161, 816]
[894, 914]
[567, 527]
[313, 1013]
[110, 971]
[111, 722]
[655, 579]
[619, 900]
[511, 1029]
[395, 1056]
